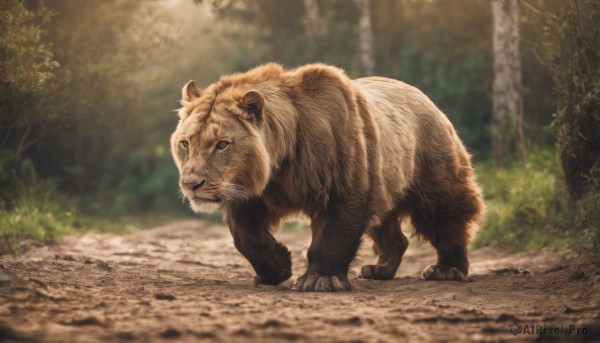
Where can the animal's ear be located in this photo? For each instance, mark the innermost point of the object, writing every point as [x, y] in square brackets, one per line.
[252, 104]
[190, 91]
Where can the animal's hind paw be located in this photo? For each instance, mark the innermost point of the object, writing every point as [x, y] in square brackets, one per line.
[376, 272]
[322, 283]
[443, 273]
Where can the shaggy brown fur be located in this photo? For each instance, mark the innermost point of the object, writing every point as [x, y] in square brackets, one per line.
[354, 155]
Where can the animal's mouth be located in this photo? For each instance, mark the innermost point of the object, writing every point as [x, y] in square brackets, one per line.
[214, 199]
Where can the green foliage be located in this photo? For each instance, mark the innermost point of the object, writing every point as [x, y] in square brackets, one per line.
[30, 208]
[571, 53]
[527, 207]
[35, 216]
[27, 62]
[26, 67]
[101, 139]
[73, 77]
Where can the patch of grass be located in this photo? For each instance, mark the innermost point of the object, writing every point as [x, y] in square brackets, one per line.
[528, 206]
[40, 214]
[37, 214]
[32, 210]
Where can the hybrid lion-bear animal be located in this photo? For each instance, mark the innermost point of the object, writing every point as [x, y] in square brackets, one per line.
[354, 156]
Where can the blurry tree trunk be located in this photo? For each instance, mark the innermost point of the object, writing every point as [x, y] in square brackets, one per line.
[365, 38]
[507, 98]
[314, 25]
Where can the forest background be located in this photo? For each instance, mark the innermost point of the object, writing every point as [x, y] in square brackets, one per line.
[88, 89]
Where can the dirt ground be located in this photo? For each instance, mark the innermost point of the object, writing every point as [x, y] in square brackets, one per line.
[186, 282]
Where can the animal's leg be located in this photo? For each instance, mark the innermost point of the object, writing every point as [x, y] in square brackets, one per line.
[249, 224]
[446, 225]
[336, 235]
[389, 245]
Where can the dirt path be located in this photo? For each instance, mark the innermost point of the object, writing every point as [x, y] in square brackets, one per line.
[186, 282]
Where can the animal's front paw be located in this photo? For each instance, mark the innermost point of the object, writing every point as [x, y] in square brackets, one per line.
[314, 282]
[440, 272]
[274, 268]
[274, 277]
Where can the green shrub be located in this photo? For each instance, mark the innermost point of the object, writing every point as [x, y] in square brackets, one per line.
[35, 216]
[30, 208]
[571, 53]
[527, 207]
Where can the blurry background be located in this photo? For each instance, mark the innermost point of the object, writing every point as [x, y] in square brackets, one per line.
[88, 89]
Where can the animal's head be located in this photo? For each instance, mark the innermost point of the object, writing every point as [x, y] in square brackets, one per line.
[217, 146]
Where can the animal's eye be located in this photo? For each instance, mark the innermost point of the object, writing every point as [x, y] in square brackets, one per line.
[222, 145]
[184, 144]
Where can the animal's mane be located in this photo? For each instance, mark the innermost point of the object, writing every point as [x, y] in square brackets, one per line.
[258, 75]
[271, 72]
[312, 123]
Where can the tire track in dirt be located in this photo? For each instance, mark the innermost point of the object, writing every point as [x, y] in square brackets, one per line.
[186, 282]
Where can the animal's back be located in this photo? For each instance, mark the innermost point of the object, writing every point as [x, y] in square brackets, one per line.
[412, 128]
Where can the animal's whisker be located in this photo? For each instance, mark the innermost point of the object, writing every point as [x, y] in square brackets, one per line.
[181, 195]
[232, 191]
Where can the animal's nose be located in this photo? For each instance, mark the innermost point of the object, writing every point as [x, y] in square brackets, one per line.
[192, 182]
